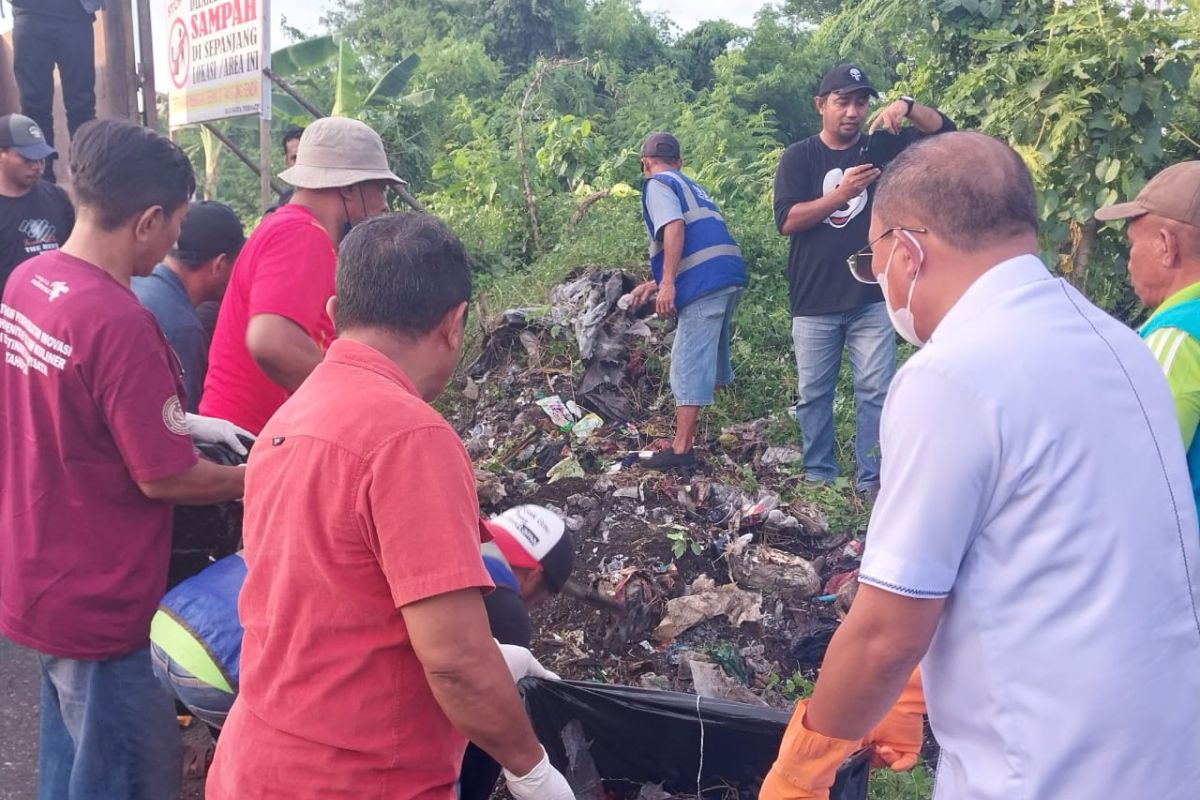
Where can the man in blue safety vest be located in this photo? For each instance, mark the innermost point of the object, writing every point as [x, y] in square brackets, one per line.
[699, 274]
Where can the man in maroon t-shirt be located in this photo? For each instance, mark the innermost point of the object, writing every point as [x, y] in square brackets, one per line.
[97, 447]
[272, 329]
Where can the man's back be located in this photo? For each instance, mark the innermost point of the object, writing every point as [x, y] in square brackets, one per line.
[1072, 485]
[89, 405]
[162, 292]
[286, 268]
[360, 500]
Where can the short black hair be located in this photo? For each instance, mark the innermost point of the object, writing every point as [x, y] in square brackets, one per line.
[400, 272]
[967, 188]
[119, 169]
[292, 132]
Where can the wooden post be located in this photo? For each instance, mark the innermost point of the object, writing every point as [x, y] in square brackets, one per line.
[146, 66]
[119, 73]
[264, 160]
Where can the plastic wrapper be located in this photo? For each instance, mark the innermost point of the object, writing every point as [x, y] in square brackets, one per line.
[643, 736]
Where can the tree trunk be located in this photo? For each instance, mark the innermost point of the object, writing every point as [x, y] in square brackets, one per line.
[1083, 237]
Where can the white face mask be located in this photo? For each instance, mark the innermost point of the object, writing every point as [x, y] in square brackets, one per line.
[902, 319]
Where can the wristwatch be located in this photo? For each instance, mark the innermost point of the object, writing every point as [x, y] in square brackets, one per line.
[910, 102]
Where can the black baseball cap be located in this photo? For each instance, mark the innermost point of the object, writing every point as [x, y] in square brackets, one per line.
[208, 229]
[844, 79]
[661, 145]
[23, 135]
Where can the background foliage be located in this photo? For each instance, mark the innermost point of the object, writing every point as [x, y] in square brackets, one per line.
[1096, 95]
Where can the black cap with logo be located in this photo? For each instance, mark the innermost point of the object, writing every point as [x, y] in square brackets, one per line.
[208, 230]
[844, 79]
[23, 135]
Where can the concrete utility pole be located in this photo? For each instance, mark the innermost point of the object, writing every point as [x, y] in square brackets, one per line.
[146, 66]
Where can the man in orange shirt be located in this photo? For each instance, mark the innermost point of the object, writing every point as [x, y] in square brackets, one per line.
[367, 660]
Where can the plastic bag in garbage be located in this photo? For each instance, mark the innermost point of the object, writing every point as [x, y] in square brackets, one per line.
[638, 736]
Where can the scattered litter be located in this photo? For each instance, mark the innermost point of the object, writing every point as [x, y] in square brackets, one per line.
[710, 680]
[586, 426]
[758, 566]
[630, 492]
[653, 791]
[581, 773]
[775, 456]
[557, 411]
[737, 605]
[567, 468]
[836, 582]
[809, 647]
[489, 487]
[471, 390]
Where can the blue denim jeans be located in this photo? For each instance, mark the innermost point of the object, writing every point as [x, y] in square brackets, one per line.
[108, 730]
[209, 704]
[871, 340]
[700, 354]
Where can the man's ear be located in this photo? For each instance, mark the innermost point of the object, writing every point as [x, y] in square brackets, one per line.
[819, 104]
[453, 326]
[331, 307]
[146, 223]
[1166, 247]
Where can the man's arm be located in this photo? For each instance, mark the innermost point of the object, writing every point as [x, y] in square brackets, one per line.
[923, 117]
[869, 660]
[202, 484]
[469, 678]
[802, 216]
[672, 234]
[281, 349]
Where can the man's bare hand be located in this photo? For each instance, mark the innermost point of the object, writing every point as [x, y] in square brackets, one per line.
[666, 299]
[891, 117]
[856, 179]
[641, 294]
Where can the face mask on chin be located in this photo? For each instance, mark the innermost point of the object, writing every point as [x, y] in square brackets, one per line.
[902, 319]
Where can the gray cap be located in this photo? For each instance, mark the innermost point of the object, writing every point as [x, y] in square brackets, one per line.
[23, 135]
[336, 152]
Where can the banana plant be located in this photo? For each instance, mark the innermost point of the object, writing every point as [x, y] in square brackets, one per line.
[354, 88]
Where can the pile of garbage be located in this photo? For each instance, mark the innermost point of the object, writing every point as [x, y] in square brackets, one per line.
[718, 581]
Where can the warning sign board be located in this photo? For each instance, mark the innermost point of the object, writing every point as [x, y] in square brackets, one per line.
[216, 52]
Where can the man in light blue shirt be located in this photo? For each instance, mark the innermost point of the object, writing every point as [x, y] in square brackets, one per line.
[196, 270]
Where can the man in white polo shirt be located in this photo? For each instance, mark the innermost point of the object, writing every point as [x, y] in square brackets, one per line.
[1034, 546]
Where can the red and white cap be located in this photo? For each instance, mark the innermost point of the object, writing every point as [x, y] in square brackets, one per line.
[533, 537]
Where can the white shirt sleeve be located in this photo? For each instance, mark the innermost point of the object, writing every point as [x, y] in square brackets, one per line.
[662, 205]
[940, 462]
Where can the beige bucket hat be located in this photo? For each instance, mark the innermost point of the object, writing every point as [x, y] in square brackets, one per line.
[336, 152]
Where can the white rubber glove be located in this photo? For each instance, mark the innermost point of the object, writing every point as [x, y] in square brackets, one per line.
[217, 431]
[543, 782]
[522, 664]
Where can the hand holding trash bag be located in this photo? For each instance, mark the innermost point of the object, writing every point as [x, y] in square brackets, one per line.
[522, 664]
[218, 431]
[807, 764]
[898, 736]
[543, 782]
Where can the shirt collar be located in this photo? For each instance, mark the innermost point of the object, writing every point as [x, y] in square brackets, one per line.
[361, 356]
[1000, 279]
[1185, 294]
[163, 272]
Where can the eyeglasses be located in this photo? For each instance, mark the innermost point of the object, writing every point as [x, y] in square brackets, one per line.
[860, 262]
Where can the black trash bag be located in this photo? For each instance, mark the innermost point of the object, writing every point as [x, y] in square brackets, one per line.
[201, 535]
[638, 736]
[809, 647]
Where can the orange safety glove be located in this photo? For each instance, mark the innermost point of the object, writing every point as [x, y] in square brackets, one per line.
[807, 762]
[899, 735]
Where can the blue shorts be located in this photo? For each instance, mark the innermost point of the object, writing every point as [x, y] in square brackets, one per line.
[700, 355]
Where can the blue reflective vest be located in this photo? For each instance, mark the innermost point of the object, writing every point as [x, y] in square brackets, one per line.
[711, 258]
[1184, 317]
[206, 604]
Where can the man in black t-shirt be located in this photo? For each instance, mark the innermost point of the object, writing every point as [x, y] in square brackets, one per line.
[823, 202]
[35, 216]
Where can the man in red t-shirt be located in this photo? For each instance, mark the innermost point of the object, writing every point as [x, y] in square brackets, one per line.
[96, 449]
[272, 329]
[367, 660]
